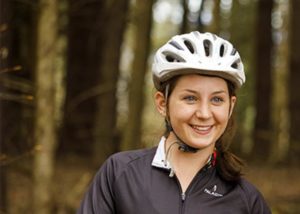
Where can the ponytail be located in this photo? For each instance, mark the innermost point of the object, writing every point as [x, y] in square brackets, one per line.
[228, 165]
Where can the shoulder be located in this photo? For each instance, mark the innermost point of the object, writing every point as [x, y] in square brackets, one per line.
[253, 197]
[129, 157]
[121, 161]
[247, 187]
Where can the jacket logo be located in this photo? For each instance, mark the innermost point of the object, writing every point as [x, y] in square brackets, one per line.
[213, 192]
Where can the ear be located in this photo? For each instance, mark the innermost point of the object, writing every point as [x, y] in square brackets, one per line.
[160, 103]
[232, 104]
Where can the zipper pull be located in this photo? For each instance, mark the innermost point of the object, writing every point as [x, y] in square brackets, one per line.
[183, 196]
[172, 173]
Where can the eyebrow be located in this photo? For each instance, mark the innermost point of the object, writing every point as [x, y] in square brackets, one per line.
[215, 92]
[219, 92]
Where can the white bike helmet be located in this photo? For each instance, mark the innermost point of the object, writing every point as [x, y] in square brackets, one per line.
[201, 53]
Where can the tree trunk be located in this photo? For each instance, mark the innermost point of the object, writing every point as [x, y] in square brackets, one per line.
[60, 66]
[17, 61]
[214, 26]
[5, 12]
[87, 21]
[200, 25]
[184, 28]
[17, 77]
[262, 130]
[45, 134]
[143, 23]
[104, 130]
[294, 104]
[280, 113]
[243, 41]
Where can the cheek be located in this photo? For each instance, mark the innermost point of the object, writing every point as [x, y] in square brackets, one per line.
[178, 112]
[222, 116]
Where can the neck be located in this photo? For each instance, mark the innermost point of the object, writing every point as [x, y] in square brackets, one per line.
[187, 160]
[198, 158]
[186, 164]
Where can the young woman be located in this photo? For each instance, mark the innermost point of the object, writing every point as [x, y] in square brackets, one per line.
[191, 171]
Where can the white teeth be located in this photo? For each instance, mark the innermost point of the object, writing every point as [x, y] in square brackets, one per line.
[202, 128]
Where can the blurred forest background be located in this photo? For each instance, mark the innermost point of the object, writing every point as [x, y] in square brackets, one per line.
[76, 87]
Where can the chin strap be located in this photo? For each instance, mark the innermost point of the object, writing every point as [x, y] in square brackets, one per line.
[186, 148]
[182, 146]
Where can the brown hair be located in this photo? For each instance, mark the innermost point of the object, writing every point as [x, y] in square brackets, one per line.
[228, 165]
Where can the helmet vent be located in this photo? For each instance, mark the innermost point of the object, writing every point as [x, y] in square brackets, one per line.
[235, 65]
[189, 46]
[233, 52]
[172, 58]
[207, 47]
[176, 45]
[222, 50]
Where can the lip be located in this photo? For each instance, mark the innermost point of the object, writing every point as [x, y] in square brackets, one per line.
[202, 130]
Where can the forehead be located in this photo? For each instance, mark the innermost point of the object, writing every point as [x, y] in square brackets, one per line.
[200, 82]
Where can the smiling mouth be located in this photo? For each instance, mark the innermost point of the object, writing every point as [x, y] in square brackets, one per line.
[202, 129]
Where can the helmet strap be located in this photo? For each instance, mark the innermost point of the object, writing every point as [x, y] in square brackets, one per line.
[182, 146]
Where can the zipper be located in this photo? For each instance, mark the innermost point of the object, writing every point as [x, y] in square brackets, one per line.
[183, 196]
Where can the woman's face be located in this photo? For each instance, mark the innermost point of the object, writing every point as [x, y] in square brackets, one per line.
[199, 108]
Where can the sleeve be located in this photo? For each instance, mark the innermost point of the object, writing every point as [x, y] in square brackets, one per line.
[99, 198]
[256, 201]
[259, 205]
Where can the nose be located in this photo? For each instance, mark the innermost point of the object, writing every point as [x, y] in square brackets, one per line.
[203, 111]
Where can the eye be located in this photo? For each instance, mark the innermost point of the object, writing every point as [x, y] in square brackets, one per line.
[190, 99]
[217, 100]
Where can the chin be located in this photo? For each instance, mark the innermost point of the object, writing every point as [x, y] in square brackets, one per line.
[202, 145]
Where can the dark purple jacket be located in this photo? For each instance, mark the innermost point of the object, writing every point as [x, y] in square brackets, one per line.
[128, 183]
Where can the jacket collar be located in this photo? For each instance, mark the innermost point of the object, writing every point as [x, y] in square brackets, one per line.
[160, 161]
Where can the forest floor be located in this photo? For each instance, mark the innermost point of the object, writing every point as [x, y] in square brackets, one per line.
[279, 185]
